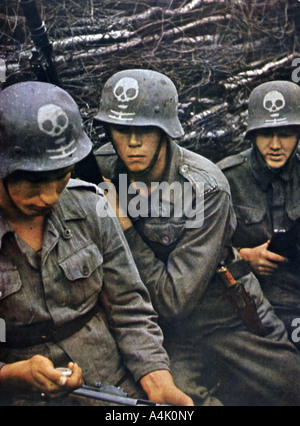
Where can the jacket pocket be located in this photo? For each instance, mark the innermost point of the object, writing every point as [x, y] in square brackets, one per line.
[83, 271]
[10, 282]
[165, 234]
[82, 264]
[294, 212]
[249, 215]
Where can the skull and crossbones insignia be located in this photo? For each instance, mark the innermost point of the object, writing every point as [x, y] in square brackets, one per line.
[125, 91]
[53, 121]
[274, 103]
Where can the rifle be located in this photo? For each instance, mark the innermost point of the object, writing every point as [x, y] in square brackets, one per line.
[41, 60]
[44, 68]
[113, 395]
[243, 305]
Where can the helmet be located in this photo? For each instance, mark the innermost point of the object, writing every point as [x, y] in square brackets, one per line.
[274, 104]
[141, 98]
[40, 129]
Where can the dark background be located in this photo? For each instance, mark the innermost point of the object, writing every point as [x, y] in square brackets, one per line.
[216, 52]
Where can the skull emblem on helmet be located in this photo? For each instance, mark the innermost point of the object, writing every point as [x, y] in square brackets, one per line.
[126, 90]
[52, 120]
[274, 102]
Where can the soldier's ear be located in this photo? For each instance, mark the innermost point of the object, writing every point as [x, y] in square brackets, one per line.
[107, 130]
[251, 137]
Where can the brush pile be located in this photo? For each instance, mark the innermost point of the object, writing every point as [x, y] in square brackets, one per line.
[215, 51]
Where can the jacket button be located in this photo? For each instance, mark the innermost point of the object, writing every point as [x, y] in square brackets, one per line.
[165, 240]
[86, 271]
[67, 234]
[185, 168]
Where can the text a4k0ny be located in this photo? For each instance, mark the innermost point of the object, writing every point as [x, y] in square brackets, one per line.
[173, 415]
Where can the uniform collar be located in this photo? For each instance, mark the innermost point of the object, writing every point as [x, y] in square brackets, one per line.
[67, 207]
[174, 156]
[264, 174]
[4, 227]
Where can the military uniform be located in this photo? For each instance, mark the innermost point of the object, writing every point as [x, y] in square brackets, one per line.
[82, 300]
[266, 200]
[204, 337]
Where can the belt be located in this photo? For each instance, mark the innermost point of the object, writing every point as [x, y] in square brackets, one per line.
[36, 334]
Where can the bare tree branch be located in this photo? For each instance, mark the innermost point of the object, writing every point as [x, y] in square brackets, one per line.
[215, 51]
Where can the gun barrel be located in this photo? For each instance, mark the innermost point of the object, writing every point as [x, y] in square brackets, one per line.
[88, 392]
[40, 38]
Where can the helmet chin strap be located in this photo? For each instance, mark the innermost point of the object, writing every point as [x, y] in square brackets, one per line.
[153, 161]
[5, 186]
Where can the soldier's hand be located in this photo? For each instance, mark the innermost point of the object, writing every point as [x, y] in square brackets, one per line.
[262, 261]
[38, 375]
[113, 198]
[160, 387]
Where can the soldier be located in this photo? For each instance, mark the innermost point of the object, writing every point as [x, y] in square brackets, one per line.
[178, 255]
[69, 290]
[264, 183]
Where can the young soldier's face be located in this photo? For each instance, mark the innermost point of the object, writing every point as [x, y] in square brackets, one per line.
[136, 146]
[34, 194]
[277, 145]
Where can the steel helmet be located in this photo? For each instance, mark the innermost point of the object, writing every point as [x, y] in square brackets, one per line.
[141, 98]
[274, 104]
[41, 129]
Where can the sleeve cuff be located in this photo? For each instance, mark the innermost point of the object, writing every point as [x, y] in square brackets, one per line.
[142, 373]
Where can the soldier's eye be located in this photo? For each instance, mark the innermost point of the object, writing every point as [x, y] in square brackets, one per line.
[265, 133]
[286, 134]
[122, 129]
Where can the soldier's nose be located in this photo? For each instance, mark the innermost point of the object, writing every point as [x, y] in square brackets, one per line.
[134, 140]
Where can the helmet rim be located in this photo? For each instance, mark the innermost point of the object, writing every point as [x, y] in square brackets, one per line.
[274, 104]
[141, 98]
[41, 129]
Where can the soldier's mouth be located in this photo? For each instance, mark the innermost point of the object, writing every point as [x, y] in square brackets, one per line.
[276, 156]
[41, 210]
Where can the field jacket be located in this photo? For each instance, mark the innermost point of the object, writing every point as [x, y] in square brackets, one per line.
[178, 264]
[266, 200]
[86, 267]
